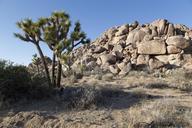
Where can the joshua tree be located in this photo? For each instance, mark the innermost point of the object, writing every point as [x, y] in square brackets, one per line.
[31, 33]
[56, 35]
[36, 61]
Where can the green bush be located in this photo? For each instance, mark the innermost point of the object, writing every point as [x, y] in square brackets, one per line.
[16, 84]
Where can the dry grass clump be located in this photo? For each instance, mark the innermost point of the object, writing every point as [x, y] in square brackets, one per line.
[175, 79]
[182, 86]
[159, 114]
[187, 87]
[159, 85]
[80, 97]
[88, 96]
[179, 75]
[138, 73]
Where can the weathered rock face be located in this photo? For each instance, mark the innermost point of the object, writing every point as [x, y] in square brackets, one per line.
[99, 50]
[171, 30]
[155, 64]
[161, 25]
[134, 36]
[153, 47]
[160, 44]
[108, 58]
[178, 41]
[143, 60]
[122, 30]
[173, 49]
[125, 69]
[114, 69]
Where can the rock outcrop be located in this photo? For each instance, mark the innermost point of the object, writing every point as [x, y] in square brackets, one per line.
[157, 45]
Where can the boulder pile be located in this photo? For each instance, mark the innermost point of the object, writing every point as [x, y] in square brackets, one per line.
[158, 45]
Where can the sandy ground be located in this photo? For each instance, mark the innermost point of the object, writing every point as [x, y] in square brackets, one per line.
[143, 101]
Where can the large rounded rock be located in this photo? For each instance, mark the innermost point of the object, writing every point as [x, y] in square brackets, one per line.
[108, 46]
[161, 25]
[153, 47]
[147, 30]
[121, 65]
[154, 31]
[134, 36]
[190, 34]
[110, 33]
[122, 30]
[86, 59]
[108, 58]
[126, 69]
[172, 59]
[119, 55]
[118, 39]
[173, 49]
[171, 30]
[178, 41]
[180, 29]
[143, 60]
[175, 59]
[117, 47]
[99, 61]
[91, 65]
[114, 69]
[134, 24]
[155, 64]
[163, 58]
[148, 38]
[99, 49]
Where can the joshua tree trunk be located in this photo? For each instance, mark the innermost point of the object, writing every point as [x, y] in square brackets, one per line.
[53, 70]
[59, 73]
[44, 64]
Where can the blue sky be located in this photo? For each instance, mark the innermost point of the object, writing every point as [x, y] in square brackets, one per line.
[94, 15]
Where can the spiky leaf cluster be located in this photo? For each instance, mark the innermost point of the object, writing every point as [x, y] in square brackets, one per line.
[31, 31]
[56, 33]
[55, 28]
[36, 60]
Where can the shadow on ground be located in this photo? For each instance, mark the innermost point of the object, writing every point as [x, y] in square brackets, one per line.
[83, 98]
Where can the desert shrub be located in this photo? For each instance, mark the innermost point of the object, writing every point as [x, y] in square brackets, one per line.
[13, 80]
[16, 83]
[86, 97]
[180, 79]
[81, 97]
[187, 87]
[180, 75]
[164, 113]
[157, 86]
[137, 73]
